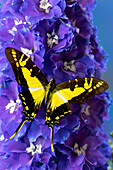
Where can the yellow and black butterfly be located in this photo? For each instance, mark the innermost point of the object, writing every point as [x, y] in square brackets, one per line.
[57, 96]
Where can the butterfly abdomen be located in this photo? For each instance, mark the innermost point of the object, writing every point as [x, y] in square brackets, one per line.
[49, 89]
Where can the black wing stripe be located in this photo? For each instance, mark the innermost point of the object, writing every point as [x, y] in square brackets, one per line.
[79, 83]
[98, 86]
[90, 87]
[27, 100]
[14, 63]
[18, 60]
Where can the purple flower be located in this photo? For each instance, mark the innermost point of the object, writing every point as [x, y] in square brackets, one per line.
[101, 57]
[79, 19]
[88, 4]
[56, 34]
[93, 116]
[59, 37]
[65, 127]
[21, 153]
[30, 46]
[73, 66]
[11, 9]
[83, 150]
[42, 9]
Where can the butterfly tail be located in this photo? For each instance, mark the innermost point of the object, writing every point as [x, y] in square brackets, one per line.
[18, 128]
[52, 137]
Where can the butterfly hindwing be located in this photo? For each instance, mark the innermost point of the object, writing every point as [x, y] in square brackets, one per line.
[54, 115]
[28, 102]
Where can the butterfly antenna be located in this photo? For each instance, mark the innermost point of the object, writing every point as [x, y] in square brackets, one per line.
[58, 76]
[52, 137]
[18, 128]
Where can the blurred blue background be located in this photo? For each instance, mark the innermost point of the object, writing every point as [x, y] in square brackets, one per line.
[103, 19]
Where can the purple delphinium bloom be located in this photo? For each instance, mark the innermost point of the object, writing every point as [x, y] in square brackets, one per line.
[73, 66]
[30, 46]
[56, 34]
[100, 56]
[83, 150]
[93, 116]
[66, 126]
[80, 19]
[21, 153]
[59, 37]
[42, 9]
[11, 8]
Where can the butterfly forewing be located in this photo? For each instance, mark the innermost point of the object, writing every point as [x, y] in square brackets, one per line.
[81, 89]
[26, 72]
[28, 75]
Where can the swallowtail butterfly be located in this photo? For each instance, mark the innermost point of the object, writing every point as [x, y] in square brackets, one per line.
[57, 96]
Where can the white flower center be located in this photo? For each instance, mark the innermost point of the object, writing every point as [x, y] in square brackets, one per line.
[77, 30]
[34, 148]
[2, 137]
[14, 29]
[81, 150]
[26, 51]
[91, 56]
[69, 66]
[45, 5]
[18, 22]
[86, 110]
[13, 105]
[52, 39]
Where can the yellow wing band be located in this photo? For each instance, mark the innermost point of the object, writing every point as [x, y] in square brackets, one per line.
[86, 85]
[62, 96]
[31, 81]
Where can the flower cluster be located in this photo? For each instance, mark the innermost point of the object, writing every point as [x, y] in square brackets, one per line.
[58, 35]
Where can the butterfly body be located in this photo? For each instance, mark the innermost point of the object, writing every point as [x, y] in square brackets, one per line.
[49, 89]
[57, 96]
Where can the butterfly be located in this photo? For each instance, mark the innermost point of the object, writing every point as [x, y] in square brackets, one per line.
[57, 96]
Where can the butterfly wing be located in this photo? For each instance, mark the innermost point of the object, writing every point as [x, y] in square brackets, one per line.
[22, 65]
[81, 89]
[27, 75]
[54, 114]
[73, 91]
